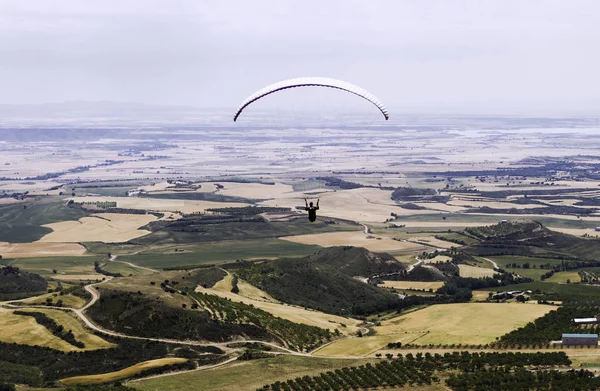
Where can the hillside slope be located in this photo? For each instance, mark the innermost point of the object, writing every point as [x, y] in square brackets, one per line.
[323, 281]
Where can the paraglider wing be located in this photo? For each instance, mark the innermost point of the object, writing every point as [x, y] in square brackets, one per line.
[314, 82]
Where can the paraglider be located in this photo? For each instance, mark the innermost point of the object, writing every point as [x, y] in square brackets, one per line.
[312, 210]
[312, 82]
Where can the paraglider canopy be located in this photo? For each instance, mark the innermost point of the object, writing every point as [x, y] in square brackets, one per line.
[312, 82]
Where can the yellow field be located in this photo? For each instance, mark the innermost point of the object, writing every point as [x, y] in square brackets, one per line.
[432, 241]
[70, 301]
[474, 271]
[79, 277]
[292, 313]
[412, 285]
[577, 231]
[155, 204]
[246, 290]
[122, 374]
[492, 204]
[358, 239]
[363, 204]
[562, 277]
[25, 330]
[468, 323]
[40, 249]
[101, 227]
[480, 295]
[248, 190]
[70, 322]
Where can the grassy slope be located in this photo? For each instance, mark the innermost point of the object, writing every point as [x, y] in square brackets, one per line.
[320, 281]
[219, 252]
[122, 374]
[246, 375]
[193, 229]
[22, 225]
[25, 330]
[63, 265]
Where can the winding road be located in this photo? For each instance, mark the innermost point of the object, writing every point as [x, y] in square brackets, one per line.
[492, 262]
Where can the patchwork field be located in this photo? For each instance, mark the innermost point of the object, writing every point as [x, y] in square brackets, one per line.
[363, 204]
[412, 285]
[358, 239]
[470, 323]
[159, 204]
[474, 271]
[40, 249]
[246, 375]
[218, 252]
[25, 330]
[122, 374]
[102, 227]
[295, 314]
[66, 267]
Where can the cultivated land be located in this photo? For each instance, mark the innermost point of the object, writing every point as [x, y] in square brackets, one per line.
[469, 323]
[358, 239]
[122, 374]
[160, 204]
[472, 175]
[412, 284]
[66, 267]
[25, 330]
[259, 299]
[474, 271]
[40, 249]
[246, 375]
[102, 227]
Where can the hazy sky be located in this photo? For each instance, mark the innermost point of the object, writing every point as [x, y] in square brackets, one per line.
[470, 56]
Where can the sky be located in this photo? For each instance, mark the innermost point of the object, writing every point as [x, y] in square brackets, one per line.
[467, 56]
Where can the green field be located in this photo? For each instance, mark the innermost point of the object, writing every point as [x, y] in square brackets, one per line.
[62, 265]
[565, 277]
[21, 223]
[246, 375]
[531, 272]
[220, 252]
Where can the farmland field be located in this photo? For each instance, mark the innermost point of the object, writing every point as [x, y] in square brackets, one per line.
[565, 277]
[219, 252]
[412, 284]
[100, 227]
[358, 239]
[245, 375]
[293, 313]
[470, 323]
[474, 271]
[122, 374]
[64, 266]
[40, 249]
[25, 330]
